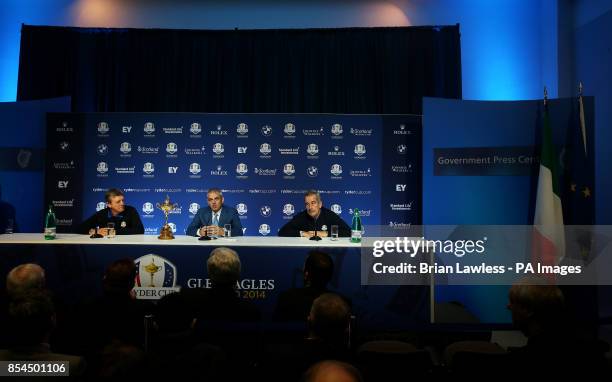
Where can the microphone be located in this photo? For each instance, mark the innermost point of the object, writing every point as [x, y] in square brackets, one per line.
[316, 237]
[205, 237]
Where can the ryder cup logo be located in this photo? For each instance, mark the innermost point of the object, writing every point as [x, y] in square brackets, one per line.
[264, 229]
[195, 168]
[242, 129]
[193, 208]
[147, 208]
[149, 128]
[242, 169]
[360, 149]
[155, 277]
[312, 171]
[171, 148]
[289, 169]
[265, 211]
[242, 209]
[195, 128]
[336, 169]
[100, 206]
[289, 129]
[125, 148]
[148, 168]
[266, 130]
[313, 149]
[218, 148]
[265, 149]
[103, 128]
[336, 129]
[102, 168]
[102, 149]
[288, 209]
[336, 209]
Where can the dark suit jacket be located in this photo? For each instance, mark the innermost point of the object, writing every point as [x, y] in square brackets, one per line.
[127, 223]
[42, 352]
[203, 217]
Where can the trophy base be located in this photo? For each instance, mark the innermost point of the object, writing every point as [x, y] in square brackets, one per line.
[166, 233]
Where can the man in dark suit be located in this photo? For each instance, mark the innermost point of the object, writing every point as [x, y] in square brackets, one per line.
[126, 218]
[211, 220]
[32, 318]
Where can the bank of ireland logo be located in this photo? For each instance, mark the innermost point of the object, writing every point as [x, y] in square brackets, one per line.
[336, 129]
[193, 208]
[149, 128]
[264, 229]
[195, 168]
[148, 168]
[103, 128]
[153, 271]
[336, 169]
[265, 149]
[288, 209]
[147, 208]
[266, 130]
[336, 209]
[242, 209]
[218, 148]
[242, 169]
[100, 206]
[125, 148]
[401, 149]
[195, 128]
[289, 169]
[313, 149]
[242, 129]
[171, 148]
[360, 149]
[102, 168]
[102, 149]
[289, 129]
[312, 171]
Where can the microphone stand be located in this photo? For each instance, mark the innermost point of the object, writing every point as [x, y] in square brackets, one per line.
[316, 237]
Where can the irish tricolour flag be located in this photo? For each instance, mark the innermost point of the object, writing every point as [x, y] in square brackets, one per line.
[548, 246]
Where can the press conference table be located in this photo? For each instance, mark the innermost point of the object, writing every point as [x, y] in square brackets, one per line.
[241, 241]
[75, 266]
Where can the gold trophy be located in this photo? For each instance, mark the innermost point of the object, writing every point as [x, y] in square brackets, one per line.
[166, 207]
[151, 269]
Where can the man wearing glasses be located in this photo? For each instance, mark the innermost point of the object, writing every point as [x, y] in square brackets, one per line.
[314, 220]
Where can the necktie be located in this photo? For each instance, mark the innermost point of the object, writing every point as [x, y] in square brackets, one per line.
[215, 220]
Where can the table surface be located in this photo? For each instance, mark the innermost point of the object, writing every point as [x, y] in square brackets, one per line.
[246, 241]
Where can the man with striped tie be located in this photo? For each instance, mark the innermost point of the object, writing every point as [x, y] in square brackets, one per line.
[211, 220]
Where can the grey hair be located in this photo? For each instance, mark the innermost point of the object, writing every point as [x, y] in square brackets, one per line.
[215, 190]
[25, 277]
[223, 266]
[315, 193]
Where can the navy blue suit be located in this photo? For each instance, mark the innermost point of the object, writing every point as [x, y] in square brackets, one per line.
[203, 217]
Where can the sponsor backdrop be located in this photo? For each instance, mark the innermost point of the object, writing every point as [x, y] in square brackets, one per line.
[262, 162]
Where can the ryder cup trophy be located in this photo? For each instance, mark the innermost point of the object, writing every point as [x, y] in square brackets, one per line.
[166, 230]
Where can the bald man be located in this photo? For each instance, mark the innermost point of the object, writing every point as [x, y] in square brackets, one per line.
[23, 278]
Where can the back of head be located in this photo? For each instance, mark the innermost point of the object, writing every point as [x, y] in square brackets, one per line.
[23, 278]
[532, 299]
[32, 317]
[223, 267]
[173, 313]
[332, 371]
[119, 277]
[318, 269]
[329, 317]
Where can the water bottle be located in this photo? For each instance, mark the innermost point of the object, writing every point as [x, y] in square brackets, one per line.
[356, 227]
[50, 224]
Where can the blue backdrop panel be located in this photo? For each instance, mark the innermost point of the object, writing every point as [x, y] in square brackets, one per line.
[263, 163]
[487, 198]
